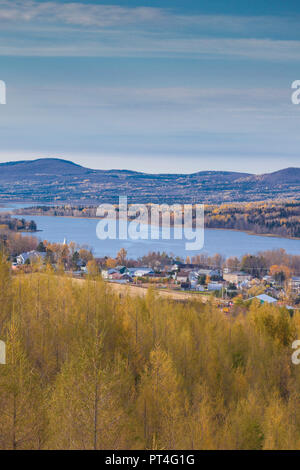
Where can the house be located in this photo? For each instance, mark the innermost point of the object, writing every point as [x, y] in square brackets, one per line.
[193, 278]
[182, 276]
[295, 285]
[236, 277]
[115, 276]
[212, 273]
[269, 279]
[244, 285]
[107, 273]
[264, 298]
[142, 272]
[177, 265]
[30, 256]
[126, 277]
[214, 286]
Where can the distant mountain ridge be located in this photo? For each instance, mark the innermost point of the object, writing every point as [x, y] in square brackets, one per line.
[54, 179]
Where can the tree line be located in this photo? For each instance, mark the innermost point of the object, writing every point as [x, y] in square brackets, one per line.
[280, 218]
[17, 225]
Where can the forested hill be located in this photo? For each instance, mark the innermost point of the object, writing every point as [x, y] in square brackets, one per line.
[48, 179]
[89, 369]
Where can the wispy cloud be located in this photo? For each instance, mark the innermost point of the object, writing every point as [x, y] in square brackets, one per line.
[82, 29]
[147, 98]
[152, 46]
[76, 13]
[91, 15]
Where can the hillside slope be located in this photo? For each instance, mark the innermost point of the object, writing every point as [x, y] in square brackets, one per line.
[52, 179]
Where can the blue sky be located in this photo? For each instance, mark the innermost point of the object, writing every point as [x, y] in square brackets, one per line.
[157, 86]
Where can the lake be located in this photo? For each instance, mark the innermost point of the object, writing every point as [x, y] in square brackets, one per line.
[225, 242]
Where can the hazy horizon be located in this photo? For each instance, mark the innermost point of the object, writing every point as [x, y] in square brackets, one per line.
[132, 169]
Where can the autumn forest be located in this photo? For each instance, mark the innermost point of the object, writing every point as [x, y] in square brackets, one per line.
[87, 368]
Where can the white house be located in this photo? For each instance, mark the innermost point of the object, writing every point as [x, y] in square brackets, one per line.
[32, 256]
[142, 272]
[264, 298]
[236, 277]
[214, 286]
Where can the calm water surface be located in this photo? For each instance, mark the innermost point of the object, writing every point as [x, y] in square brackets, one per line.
[83, 232]
[225, 242]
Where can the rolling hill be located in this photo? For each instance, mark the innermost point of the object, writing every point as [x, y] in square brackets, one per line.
[57, 180]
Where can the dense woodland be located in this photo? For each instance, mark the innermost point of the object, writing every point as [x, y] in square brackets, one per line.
[87, 369]
[277, 218]
[280, 218]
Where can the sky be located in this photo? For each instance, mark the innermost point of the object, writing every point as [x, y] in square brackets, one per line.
[149, 85]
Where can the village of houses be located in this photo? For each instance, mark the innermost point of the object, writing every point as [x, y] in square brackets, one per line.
[222, 283]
